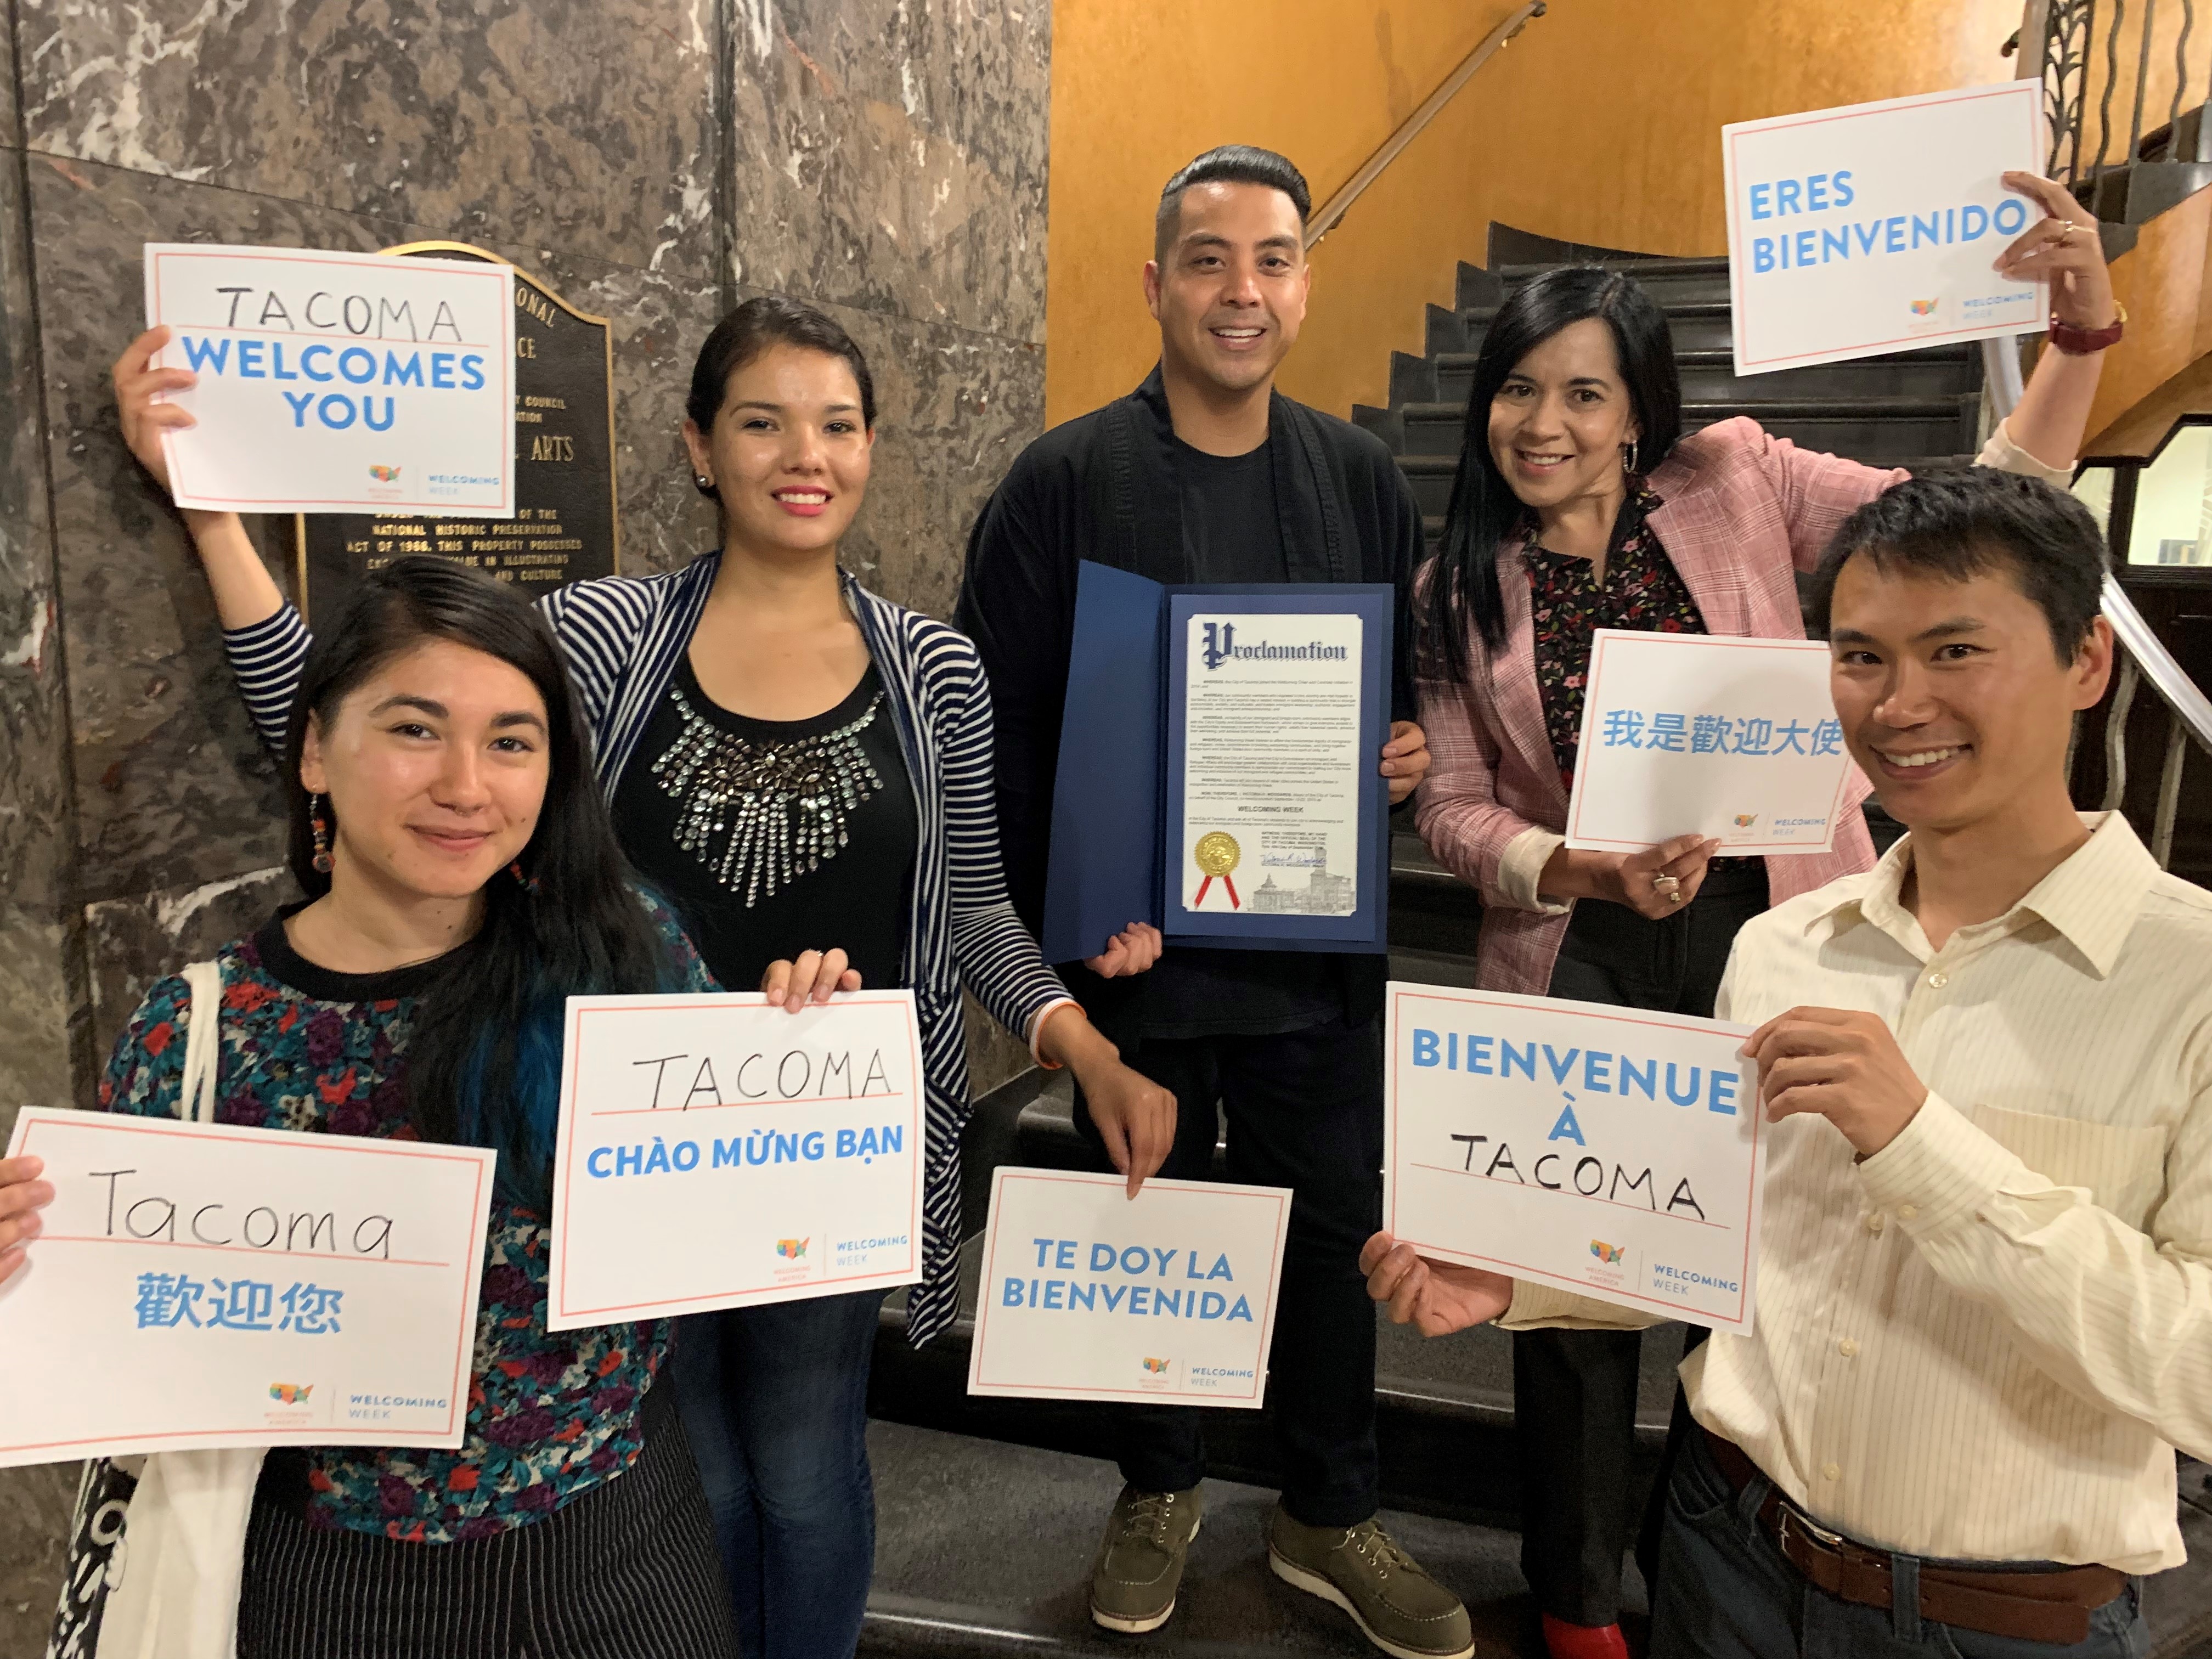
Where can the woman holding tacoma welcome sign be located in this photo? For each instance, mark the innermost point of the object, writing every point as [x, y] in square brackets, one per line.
[1578, 506]
[463, 880]
[806, 769]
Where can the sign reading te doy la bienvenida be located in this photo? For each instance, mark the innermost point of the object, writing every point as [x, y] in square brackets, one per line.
[564, 526]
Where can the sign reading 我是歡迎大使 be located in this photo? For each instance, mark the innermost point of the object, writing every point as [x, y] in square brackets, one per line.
[201, 1286]
[1616, 1153]
[336, 382]
[1875, 228]
[714, 1152]
[1088, 1294]
[1709, 734]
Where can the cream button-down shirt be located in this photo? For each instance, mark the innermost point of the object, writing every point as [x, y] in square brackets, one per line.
[1985, 1340]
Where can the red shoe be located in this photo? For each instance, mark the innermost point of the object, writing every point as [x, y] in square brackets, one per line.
[1564, 1641]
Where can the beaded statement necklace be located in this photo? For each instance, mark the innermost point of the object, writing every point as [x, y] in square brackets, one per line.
[759, 816]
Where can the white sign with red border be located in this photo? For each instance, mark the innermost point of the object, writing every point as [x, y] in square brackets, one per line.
[197, 1286]
[1609, 1151]
[1712, 735]
[1165, 1298]
[717, 1152]
[338, 382]
[1875, 228]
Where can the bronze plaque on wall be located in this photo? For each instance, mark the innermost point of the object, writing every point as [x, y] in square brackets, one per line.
[564, 528]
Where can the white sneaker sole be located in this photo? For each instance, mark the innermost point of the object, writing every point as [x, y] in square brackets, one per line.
[1140, 1625]
[1314, 1584]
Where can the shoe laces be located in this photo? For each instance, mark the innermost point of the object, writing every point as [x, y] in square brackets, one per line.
[1149, 1514]
[1377, 1547]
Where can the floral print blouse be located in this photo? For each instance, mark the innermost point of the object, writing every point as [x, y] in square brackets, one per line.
[1567, 603]
[550, 1414]
[1642, 591]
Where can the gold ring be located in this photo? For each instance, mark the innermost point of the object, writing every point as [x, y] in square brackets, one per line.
[1667, 885]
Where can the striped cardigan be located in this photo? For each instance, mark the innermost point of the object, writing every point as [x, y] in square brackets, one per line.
[623, 636]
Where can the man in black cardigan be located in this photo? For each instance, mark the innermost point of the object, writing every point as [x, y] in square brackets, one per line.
[1206, 474]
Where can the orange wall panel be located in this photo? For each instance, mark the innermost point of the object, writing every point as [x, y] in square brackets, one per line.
[1601, 123]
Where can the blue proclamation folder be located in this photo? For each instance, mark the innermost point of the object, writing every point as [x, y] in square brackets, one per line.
[1117, 800]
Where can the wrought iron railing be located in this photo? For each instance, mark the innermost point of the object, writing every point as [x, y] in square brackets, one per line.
[2084, 52]
[2104, 64]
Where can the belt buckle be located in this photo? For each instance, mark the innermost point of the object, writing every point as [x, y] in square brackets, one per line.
[1792, 1514]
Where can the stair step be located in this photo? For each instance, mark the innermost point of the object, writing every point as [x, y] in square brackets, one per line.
[984, 1552]
[1864, 428]
[1702, 325]
[1702, 264]
[1432, 478]
[1666, 280]
[1444, 1436]
[1708, 375]
[1684, 310]
[1765, 411]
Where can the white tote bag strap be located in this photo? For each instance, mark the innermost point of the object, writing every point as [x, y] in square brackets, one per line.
[184, 1541]
[203, 1043]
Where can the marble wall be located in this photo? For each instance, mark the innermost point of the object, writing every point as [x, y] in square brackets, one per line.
[653, 161]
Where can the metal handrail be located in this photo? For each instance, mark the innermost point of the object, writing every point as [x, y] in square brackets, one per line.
[2167, 677]
[1333, 209]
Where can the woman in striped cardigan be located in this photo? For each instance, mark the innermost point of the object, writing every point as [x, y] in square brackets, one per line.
[804, 768]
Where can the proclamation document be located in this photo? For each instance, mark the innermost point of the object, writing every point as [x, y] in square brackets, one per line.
[1273, 764]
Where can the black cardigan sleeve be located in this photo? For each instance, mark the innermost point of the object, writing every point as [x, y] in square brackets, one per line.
[1018, 603]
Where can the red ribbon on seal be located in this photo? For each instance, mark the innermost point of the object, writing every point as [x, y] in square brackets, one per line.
[1235, 903]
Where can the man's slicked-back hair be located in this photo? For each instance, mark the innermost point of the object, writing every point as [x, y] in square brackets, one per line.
[1228, 164]
[1954, 526]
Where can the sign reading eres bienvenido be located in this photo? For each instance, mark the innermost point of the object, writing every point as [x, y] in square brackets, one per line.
[564, 526]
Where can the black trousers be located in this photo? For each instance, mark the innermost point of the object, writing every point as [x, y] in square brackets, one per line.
[1574, 1392]
[628, 1571]
[1304, 1111]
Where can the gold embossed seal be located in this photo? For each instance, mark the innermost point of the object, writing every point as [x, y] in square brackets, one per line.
[1217, 854]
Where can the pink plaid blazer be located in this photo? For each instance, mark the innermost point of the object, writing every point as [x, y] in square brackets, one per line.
[1742, 513]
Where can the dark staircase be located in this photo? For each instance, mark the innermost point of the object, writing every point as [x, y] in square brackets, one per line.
[990, 1509]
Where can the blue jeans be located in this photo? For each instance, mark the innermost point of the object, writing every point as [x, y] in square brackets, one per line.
[1726, 1592]
[775, 1402]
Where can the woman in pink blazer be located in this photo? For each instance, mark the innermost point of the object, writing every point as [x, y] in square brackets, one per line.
[1576, 508]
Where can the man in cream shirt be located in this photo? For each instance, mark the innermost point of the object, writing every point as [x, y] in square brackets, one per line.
[1985, 1273]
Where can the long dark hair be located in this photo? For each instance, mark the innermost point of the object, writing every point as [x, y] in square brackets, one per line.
[1461, 585]
[483, 1061]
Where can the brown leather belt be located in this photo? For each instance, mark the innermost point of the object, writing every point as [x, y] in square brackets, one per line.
[2028, 1605]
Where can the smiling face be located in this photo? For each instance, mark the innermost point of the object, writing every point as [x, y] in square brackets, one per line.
[435, 767]
[1951, 696]
[789, 452]
[1560, 421]
[1229, 290]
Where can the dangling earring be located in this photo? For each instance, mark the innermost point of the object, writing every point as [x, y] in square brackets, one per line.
[319, 828]
[1628, 459]
[528, 883]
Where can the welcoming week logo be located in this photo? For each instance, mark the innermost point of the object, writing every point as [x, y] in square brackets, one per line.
[790, 1249]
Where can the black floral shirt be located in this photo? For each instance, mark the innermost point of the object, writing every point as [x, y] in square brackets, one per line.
[551, 1415]
[1567, 603]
